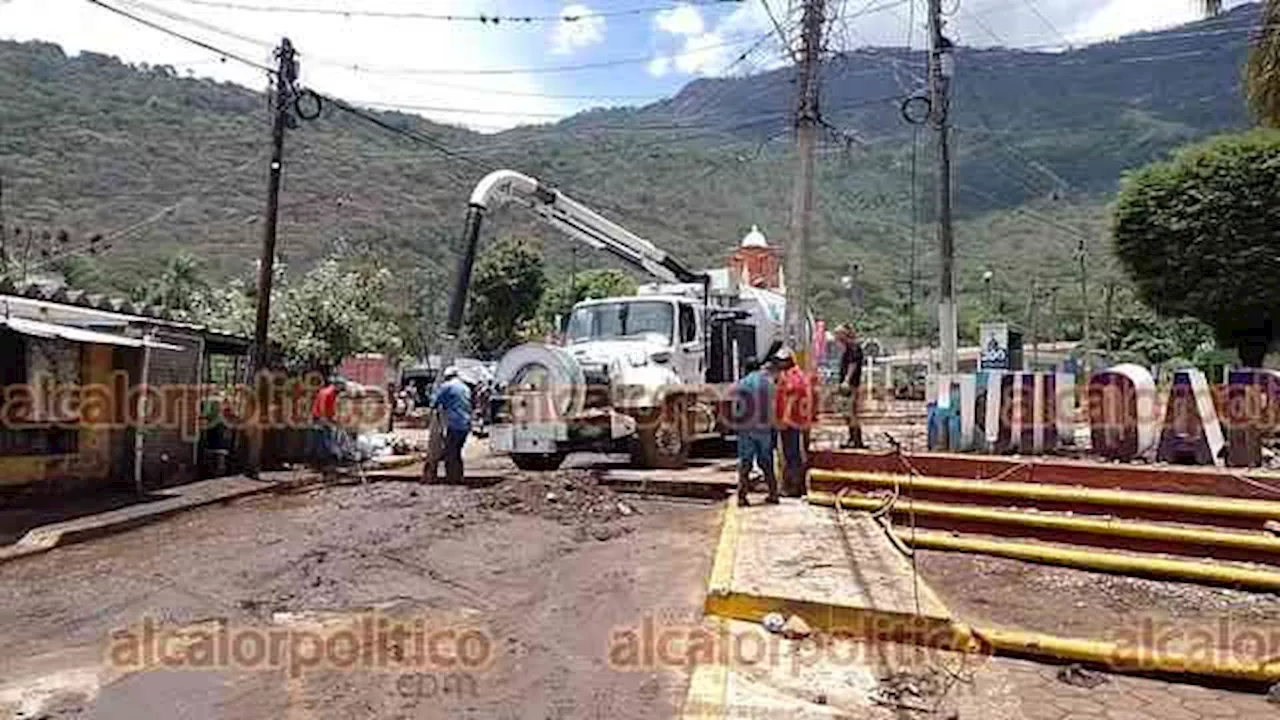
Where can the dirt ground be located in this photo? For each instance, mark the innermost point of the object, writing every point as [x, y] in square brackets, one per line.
[546, 568]
[1077, 603]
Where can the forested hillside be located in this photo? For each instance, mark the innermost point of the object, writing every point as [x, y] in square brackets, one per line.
[92, 145]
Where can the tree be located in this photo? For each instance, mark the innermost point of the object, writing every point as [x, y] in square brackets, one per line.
[505, 293]
[1138, 334]
[180, 286]
[338, 309]
[586, 285]
[1262, 74]
[1197, 234]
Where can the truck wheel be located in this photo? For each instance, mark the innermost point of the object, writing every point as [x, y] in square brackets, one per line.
[662, 437]
[536, 462]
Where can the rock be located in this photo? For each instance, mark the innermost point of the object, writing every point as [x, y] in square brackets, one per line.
[624, 508]
[796, 628]
[552, 497]
[774, 622]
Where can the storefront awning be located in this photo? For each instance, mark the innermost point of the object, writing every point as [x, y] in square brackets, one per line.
[48, 331]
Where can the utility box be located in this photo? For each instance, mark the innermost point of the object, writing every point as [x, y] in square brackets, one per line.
[1000, 347]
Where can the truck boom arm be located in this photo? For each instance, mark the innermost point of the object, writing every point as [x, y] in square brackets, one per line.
[579, 222]
[565, 214]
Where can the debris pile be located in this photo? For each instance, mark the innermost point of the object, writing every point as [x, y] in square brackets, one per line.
[569, 497]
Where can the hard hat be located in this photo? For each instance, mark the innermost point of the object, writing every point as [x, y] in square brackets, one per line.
[449, 373]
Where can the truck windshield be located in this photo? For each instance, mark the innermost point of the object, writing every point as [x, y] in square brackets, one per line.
[622, 319]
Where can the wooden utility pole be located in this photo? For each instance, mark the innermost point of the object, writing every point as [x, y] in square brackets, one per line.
[286, 76]
[794, 268]
[940, 70]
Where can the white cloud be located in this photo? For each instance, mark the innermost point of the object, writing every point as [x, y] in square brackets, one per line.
[680, 20]
[580, 33]
[1125, 16]
[659, 66]
[328, 47]
[704, 54]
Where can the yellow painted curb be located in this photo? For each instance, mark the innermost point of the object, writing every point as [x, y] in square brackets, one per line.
[1260, 510]
[1261, 544]
[726, 551]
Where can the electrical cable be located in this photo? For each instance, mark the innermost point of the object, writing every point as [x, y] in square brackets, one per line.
[181, 36]
[482, 18]
[1052, 28]
[543, 70]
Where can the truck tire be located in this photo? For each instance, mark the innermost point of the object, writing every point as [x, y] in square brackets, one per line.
[662, 436]
[536, 462]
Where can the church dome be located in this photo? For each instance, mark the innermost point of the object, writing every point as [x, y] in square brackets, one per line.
[755, 239]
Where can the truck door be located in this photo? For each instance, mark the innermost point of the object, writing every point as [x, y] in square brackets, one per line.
[690, 357]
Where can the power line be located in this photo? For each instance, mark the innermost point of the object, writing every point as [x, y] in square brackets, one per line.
[1052, 28]
[181, 36]
[617, 62]
[482, 18]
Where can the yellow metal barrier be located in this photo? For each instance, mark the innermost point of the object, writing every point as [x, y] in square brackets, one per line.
[1260, 510]
[1259, 543]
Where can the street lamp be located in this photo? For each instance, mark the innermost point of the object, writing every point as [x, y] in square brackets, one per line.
[986, 288]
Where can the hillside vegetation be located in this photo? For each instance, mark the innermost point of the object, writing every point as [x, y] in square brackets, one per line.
[93, 145]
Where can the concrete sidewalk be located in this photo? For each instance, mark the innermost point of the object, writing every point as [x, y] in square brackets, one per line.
[159, 505]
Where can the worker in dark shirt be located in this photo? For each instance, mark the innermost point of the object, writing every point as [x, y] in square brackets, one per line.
[851, 381]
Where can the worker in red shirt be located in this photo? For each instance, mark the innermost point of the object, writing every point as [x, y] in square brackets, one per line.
[324, 426]
[795, 412]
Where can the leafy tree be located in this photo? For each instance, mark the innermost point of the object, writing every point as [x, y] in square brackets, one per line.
[506, 290]
[335, 311]
[1262, 76]
[1139, 335]
[180, 286]
[1198, 236]
[586, 285]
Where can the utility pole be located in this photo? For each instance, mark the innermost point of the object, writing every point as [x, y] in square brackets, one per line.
[1083, 252]
[1106, 322]
[286, 76]
[794, 268]
[1053, 314]
[941, 67]
[1032, 325]
[4, 236]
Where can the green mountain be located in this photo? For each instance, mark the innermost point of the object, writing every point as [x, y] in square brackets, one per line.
[160, 163]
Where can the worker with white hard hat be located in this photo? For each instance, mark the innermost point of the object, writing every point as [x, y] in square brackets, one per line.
[453, 400]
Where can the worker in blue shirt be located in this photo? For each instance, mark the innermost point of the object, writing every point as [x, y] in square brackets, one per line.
[453, 399]
[753, 421]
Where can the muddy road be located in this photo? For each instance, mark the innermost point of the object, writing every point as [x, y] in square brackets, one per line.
[536, 579]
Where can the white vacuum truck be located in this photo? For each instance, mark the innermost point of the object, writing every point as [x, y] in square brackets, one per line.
[647, 374]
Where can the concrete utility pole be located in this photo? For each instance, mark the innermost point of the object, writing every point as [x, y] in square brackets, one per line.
[1032, 317]
[4, 236]
[286, 76]
[941, 67]
[1083, 251]
[795, 261]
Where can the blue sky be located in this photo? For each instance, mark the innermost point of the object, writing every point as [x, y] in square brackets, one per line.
[494, 76]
